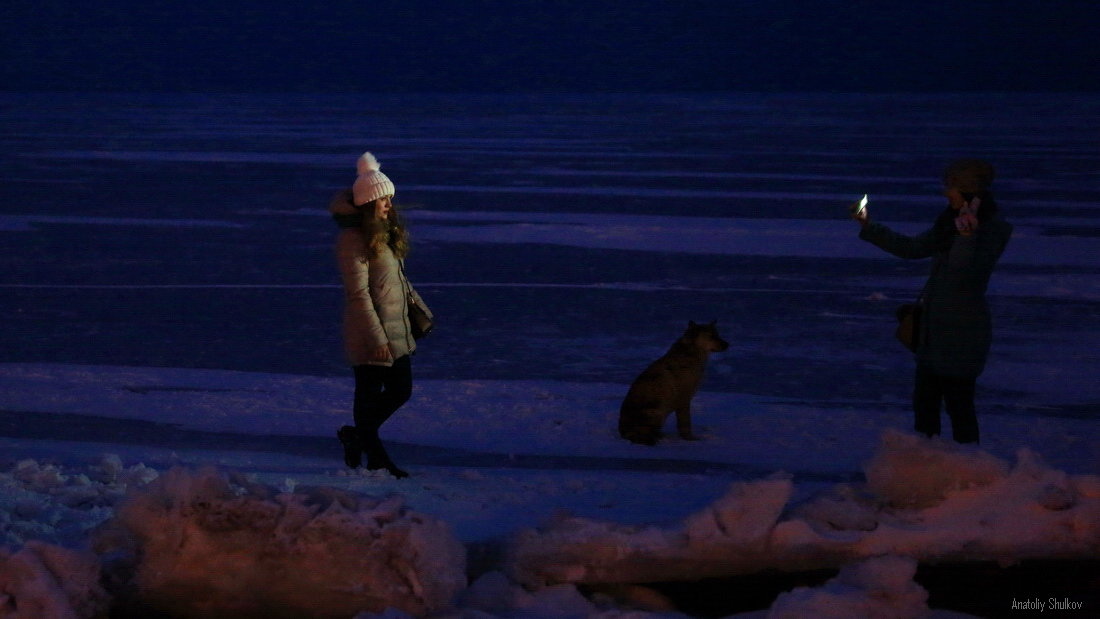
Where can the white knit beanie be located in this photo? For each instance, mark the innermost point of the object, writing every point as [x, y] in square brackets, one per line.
[371, 183]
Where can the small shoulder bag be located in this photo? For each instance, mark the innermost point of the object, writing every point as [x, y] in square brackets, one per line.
[909, 315]
[420, 323]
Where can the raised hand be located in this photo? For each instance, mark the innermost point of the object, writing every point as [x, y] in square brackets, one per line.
[967, 221]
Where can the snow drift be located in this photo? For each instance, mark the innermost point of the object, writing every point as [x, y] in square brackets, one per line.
[40, 501]
[878, 588]
[214, 543]
[208, 543]
[929, 500]
[43, 580]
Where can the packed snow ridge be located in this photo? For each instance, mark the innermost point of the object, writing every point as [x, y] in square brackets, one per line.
[211, 542]
[930, 500]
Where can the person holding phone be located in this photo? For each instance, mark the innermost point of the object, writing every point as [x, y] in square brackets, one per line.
[952, 343]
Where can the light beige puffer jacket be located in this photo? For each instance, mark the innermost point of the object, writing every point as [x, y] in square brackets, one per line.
[376, 298]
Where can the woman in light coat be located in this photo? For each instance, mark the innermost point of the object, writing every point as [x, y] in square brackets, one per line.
[370, 251]
[956, 330]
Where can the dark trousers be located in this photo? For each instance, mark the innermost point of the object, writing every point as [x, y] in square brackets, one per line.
[955, 394]
[379, 392]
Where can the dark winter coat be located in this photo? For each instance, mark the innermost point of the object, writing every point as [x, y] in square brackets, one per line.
[956, 329]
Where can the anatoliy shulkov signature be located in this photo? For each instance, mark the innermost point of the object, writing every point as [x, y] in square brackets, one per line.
[1048, 604]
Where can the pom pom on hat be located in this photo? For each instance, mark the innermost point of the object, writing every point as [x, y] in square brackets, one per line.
[367, 163]
[969, 175]
[371, 183]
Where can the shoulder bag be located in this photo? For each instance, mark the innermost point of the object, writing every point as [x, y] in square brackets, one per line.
[420, 323]
[909, 315]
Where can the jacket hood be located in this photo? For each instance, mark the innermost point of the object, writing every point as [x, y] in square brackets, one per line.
[341, 204]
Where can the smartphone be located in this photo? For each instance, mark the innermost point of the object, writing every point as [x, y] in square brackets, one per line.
[862, 205]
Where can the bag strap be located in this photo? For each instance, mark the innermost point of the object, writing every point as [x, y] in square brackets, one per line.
[405, 281]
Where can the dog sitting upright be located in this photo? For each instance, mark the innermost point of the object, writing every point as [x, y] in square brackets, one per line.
[668, 385]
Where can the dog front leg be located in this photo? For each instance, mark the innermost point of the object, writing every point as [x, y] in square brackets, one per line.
[683, 422]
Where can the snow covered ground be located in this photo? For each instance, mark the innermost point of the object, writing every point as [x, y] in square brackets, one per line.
[770, 486]
[184, 317]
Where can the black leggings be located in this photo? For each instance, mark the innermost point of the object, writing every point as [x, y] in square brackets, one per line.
[956, 395]
[379, 392]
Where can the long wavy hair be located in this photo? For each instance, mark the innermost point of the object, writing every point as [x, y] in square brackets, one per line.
[381, 233]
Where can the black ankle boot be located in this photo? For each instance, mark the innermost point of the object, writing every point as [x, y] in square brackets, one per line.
[378, 459]
[391, 468]
[353, 447]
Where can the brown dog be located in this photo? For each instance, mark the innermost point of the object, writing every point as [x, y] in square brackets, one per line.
[668, 385]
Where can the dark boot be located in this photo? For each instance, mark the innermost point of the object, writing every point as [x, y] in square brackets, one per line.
[353, 447]
[377, 458]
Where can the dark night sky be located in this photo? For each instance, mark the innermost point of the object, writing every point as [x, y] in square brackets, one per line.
[550, 45]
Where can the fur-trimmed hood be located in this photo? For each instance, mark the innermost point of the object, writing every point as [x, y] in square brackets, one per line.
[341, 203]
